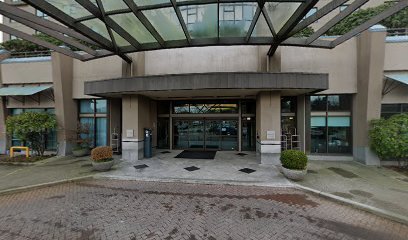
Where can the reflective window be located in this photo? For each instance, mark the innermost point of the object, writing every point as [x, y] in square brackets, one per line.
[87, 106]
[205, 107]
[288, 104]
[101, 106]
[318, 135]
[248, 107]
[318, 103]
[339, 134]
[339, 102]
[94, 114]
[389, 110]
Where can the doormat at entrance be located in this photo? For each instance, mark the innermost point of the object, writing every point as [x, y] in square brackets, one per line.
[141, 166]
[197, 154]
[192, 168]
[247, 170]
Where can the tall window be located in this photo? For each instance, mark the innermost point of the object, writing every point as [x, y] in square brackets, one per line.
[94, 114]
[51, 141]
[388, 110]
[330, 124]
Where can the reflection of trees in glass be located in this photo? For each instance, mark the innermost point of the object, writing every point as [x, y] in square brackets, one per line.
[166, 22]
[207, 26]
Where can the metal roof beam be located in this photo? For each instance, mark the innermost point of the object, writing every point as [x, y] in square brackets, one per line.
[297, 16]
[59, 15]
[326, 9]
[342, 15]
[181, 20]
[40, 42]
[49, 32]
[45, 23]
[99, 12]
[257, 14]
[374, 20]
[142, 18]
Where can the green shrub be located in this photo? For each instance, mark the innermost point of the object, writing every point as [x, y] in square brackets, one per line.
[389, 138]
[102, 154]
[294, 159]
[32, 128]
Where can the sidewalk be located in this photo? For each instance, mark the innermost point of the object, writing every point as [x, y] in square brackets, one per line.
[377, 187]
[50, 170]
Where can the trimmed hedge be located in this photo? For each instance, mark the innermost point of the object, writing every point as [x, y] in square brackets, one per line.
[389, 137]
[294, 159]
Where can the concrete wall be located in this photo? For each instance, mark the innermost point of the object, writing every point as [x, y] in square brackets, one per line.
[104, 68]
[396, 56]
[203, 59]
[32, 70]
[340, 63]
[398, 95]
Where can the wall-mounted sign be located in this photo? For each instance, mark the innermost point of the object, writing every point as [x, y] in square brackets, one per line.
[129, 133]
[270, 135]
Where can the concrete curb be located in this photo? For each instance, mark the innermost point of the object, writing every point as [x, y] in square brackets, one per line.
[377, 211]
[195, 181]
[41, 185]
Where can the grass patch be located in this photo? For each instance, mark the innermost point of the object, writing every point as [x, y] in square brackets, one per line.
[22, 159]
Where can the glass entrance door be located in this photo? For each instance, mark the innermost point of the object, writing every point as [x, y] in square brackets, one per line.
[205, 134]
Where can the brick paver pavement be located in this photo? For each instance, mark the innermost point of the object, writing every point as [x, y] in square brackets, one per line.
[108, 209]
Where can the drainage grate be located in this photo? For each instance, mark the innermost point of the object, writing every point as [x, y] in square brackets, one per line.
[165, 152]
[247, 170]
[192, 168]
[242, 154]
[141, 166]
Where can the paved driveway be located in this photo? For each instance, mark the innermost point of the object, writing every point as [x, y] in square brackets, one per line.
[110, 209]
[50, 170]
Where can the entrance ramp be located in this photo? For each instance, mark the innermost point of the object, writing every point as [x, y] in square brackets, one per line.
[228, 167]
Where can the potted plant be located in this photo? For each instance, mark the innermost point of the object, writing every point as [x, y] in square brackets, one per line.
[102, 158]
[294, 164]
[81, 140]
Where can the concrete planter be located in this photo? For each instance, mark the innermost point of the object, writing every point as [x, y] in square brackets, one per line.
[102, 166]
[80, 152]
[295, 175]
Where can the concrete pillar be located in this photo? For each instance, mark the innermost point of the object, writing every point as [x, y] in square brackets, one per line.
[268, 127]
[131, 144]
[65, 107]
[301, 120]
[138, 113]
[3, 117]
[367, 102]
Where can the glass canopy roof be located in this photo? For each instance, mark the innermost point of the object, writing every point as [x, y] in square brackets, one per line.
[124, 26]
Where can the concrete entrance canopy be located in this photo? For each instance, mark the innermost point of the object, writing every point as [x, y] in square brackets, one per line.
[126, 26]
[209, 85]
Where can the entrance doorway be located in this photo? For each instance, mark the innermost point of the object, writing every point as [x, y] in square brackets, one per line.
[205, 134]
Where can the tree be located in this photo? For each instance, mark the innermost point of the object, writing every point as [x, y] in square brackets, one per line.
[389, 138]
[398, 20]
[32, 127]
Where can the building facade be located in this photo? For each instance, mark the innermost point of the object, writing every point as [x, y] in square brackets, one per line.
[224, 98]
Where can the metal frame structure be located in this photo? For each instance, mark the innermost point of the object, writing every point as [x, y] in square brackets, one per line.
[73, 32]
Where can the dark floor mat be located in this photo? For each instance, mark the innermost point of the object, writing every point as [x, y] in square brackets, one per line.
[141, 166]
[192, 168]
[247, 170]
[197, 154]
[242, 154]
